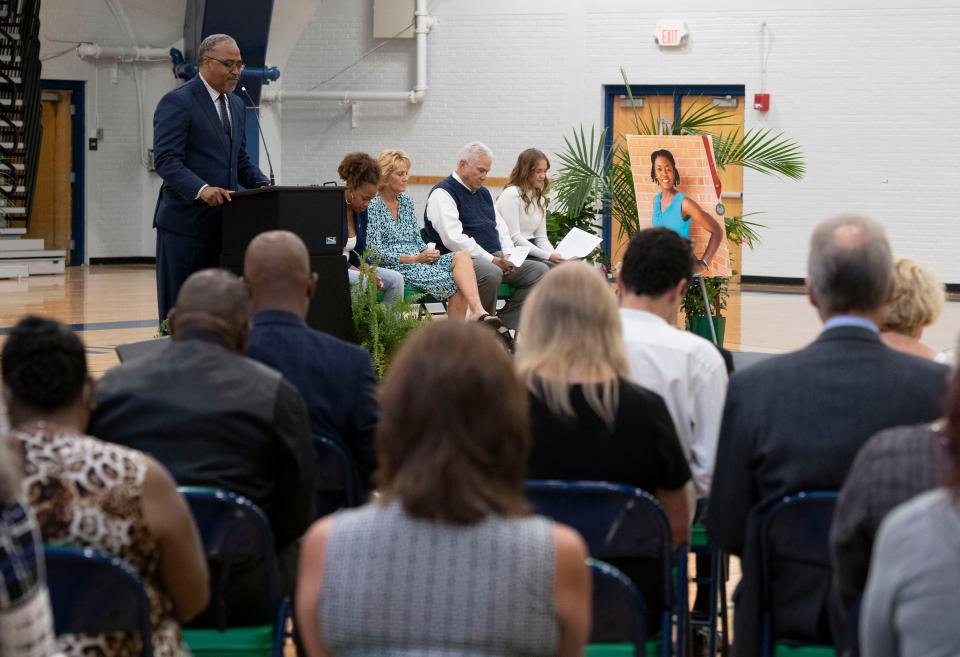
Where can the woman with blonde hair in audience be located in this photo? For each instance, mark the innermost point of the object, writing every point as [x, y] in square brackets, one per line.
[448, 559]
[361, 173]
[523, 206]
[91, 494]
[589, 422]
[913, 590]
[394, 236]
[916, 304]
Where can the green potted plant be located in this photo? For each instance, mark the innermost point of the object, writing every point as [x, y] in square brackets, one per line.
[591, 178]
[739, 231]
[718, 292]
[381, 327]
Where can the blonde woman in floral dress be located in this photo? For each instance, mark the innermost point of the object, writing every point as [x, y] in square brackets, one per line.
[394, 236]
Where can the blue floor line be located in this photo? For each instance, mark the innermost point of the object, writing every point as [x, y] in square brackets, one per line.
[102, 326]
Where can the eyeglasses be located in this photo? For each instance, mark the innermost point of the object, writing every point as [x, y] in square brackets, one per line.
[229, 63]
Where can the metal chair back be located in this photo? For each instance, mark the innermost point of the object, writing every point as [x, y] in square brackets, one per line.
[94, 593]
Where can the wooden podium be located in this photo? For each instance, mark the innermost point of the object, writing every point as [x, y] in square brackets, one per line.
[318, 216]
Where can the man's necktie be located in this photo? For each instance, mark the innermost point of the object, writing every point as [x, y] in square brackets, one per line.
[224, 117]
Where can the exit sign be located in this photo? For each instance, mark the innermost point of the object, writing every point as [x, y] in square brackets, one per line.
[670, 34]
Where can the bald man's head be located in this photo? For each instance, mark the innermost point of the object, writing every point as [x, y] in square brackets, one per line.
[213, 300]
[276, 268]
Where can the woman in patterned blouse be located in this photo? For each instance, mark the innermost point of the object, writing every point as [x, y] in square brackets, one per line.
[26, 625]
[394, 236]
[89, 493]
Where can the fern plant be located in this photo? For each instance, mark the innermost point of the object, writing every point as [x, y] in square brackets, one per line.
[381, 327]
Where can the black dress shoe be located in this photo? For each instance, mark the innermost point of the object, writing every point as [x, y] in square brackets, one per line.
[490, 320]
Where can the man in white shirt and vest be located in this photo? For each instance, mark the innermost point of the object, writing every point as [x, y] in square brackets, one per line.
[461, 216]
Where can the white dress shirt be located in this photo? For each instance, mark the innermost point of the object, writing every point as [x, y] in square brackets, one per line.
[691, 376]
[527, 225]
[215, 98]
[443, 214]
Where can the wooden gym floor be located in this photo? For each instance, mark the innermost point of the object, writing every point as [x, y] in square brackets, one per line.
[111, 305]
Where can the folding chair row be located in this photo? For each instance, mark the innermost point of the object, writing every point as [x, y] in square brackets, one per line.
[620, 522]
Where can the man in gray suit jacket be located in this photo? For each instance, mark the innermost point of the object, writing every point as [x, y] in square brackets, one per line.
[796, 422]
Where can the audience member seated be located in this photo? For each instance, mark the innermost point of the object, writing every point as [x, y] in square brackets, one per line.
[461, 216]
[362, 175]
[683, 368]
[523, 206]
[334, 377]
[916, 304]
[795, 422]
[216, 418]
[588, 420]
[913, 592]
[448, 560]
[89, 493]
[894, 466]
[26, 623]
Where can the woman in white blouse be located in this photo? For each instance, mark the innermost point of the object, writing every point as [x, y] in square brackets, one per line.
[524, 208]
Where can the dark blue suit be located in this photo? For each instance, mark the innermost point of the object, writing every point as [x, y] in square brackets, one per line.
[190, 150]
[335, 379]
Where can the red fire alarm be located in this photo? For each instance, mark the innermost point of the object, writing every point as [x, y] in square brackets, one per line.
[761, 102]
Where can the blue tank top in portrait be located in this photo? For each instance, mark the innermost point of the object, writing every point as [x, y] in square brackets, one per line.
[672, 217]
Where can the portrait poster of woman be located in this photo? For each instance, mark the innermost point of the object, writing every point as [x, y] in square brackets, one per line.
[698, 181]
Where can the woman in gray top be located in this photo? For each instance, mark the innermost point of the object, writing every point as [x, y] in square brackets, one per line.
[913, 592]
[448, 560]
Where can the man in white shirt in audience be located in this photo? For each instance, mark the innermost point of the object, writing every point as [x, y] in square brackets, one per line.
[461, 216]
[683, 368]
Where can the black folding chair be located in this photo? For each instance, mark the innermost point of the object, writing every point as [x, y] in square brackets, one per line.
[94, 593]
[618, 522]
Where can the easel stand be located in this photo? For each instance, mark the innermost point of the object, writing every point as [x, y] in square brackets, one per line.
[706, 306]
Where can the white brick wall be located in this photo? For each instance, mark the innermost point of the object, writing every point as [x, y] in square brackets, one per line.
[863, 89]
[120, 193]
[867, 90]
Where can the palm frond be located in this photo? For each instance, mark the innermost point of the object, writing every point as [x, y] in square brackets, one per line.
[580, 178]
[639, 126]
[623, 201]
[696, 120]
[762, 151]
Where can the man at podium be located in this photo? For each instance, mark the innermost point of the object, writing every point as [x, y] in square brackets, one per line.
[200, 152]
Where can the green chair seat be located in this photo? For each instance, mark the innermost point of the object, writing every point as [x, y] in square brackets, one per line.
[506, 290]
[651, 649]
[698, 536]
[256, 641]
[784, 650]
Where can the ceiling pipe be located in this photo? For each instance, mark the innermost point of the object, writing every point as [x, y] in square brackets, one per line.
[424, 23]
[128, 54]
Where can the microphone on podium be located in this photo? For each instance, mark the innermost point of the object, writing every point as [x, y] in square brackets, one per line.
[256, 108]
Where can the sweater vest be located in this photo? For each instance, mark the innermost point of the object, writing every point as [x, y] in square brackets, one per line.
[477, 215]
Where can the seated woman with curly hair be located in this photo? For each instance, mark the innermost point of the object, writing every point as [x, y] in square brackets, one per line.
[88, 493]
[395, 237]
[361, 173]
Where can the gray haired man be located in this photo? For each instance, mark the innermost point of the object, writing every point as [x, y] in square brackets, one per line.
[461, 216]
[796, 422]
